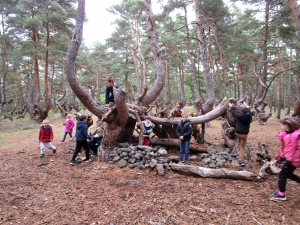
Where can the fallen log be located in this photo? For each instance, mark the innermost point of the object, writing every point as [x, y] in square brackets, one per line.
[214, 173]
[215, 113]
[202, 148]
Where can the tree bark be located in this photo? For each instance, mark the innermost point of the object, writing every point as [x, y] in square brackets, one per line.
[158, 85]
[210, 95]
[74, 45]
[214, 173]
[197, 97]
[181, 78]
[293, 4]
[215, 113]
[261, 93]
[168, 103]
[200, 148]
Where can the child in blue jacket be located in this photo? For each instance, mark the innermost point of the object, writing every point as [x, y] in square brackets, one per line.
[184, 132]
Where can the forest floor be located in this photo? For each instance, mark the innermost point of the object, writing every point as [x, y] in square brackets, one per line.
[93, 193]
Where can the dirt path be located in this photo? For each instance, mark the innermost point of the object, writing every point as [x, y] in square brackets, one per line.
[94, 193]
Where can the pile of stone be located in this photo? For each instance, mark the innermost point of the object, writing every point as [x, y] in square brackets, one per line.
[219, 156]
[141, 157]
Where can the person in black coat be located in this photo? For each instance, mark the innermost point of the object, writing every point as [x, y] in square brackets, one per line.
[184, 132]
[242, 129]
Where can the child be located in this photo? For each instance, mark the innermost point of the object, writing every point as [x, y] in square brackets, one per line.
[95, 141]
[289, 151]
[178, 111]
[69, 123]
[81, 142]
[45, 137]
[184, 132]
[148, 129]
[109, 93]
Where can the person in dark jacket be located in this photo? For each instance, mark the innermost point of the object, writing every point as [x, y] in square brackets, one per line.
[109, 92]
[95, 141]
[184, 132]
[242, 129]
[81, 139]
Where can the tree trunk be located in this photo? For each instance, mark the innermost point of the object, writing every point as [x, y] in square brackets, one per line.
[158, 85]
[48, 101]
[4, 66]
[296, 15]
[197, 97]
[210, 95]
[289, 96]
[115, 120]
[74, 45]
[200, 148]
[181, 77]
[214, 173]
[168, 103]
[261, 92]
[215, 113]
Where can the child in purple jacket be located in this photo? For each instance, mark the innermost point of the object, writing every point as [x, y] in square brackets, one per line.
[69, 123]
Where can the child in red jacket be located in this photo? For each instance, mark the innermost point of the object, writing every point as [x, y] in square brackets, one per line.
[45, 137]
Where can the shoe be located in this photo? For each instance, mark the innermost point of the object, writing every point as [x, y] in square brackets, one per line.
[88, 160]
[62, 140]
[181, 161]
[93, 155]
[242, 163]
[187, 162]
[42, 155]
[72, 163]
[54, 150]
[276, 196]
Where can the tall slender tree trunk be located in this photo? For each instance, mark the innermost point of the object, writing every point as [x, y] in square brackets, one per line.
[46, 78]
[197, 97]
[167, 86]
[210, 95]
[296, 15]
[262, 89]
[289, 96]
[181, 77]
[4, 65]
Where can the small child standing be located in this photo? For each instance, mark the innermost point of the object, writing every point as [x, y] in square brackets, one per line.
[81, 139]
[45, 138]
[148, 129]
[95, 141]
[290, 152]
[184, 132]
[69, 123]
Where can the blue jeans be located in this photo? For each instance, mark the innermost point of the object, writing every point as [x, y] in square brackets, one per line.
[66, 133]
[184, 149]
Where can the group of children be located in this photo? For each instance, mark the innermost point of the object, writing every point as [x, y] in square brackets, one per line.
[289, 151]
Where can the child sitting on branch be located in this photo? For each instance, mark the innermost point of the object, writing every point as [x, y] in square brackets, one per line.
[109, 92]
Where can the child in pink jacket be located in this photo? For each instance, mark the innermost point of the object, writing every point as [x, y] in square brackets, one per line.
[69, 123]
[290, 152]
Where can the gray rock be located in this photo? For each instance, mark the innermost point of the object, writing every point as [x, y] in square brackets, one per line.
[160, 169]
[126, 158]
[194, 157]
[220, 148]
[131, 160]
[212, 165]
[173, 158]
[133, 148]
[220, 164]
[162, 151]
[116, 158]
[122, 163]
[213, 157]
[206, 161]
[131, 166]
[110, 162]
[227, 165]
[153, 163]
[137, 156]
[123, 145]
[124, 154]
[131, 153]
[167, 167]
[204, 155]
[211, 150]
